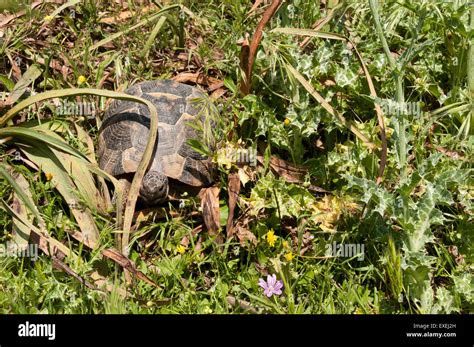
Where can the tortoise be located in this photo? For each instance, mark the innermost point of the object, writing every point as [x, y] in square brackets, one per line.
[175, 165]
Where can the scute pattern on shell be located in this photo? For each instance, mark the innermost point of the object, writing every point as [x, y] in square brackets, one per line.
[125, 128]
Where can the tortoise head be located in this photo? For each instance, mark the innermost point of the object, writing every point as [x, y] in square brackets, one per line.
[154, 188]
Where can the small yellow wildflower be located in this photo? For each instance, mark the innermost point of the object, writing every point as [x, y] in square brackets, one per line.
[149, 303]
[287, 121]
[289, 256]
[271, 238]
[286, 245]
[48, 18]
[49, 176]
[180, 249]
[81, 79]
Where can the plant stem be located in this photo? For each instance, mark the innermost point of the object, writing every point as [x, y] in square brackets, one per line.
[246, 86]
[470, 58]
[399, 124]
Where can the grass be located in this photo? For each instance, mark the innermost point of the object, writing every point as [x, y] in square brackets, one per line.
[312, 105]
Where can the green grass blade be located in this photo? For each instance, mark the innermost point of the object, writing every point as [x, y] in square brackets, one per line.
[27, 79]
[152, 37]
[133, 27]
[63, 7]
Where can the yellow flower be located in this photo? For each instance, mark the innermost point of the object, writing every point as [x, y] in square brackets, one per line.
[287, 121]
[149, 303]
[81, 79]
[286, 245]
[48, 18]
[289, 256]
[271, 238]
[180, 249]
[49, 176]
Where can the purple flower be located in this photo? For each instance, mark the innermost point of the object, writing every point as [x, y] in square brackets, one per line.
[271, 286]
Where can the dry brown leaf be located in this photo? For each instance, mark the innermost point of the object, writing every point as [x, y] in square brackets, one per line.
[290, 173]
[35, 4]
[244, 305]
[215, 84]
[450, 153]
[233, 191]
[255, 6]
[101, 282]
[244, 235]
[127, 264]
[56, 65]
[244, 52]
[58, 264]
[211, 211]
[199, 78]
[124, 15]
[458, 257]
[154, 214]
[218, 93]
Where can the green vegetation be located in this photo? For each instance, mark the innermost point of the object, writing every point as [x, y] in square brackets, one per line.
[369, 104]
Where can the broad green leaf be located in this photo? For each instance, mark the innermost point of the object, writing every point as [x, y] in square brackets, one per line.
[46, 159]
[32, 136]
[8, 83]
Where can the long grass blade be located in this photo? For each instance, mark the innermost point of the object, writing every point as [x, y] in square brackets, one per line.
[28, 78]
[310, 32]
[19, 191]
[152, 37]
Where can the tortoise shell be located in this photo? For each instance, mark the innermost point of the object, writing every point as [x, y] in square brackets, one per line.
[125, 129]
